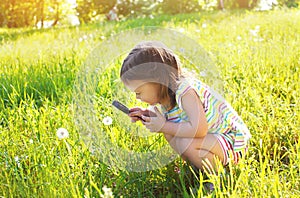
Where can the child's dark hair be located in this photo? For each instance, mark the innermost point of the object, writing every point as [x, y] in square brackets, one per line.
[153, 62]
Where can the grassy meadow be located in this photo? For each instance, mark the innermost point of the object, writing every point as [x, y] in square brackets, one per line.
[257, 55]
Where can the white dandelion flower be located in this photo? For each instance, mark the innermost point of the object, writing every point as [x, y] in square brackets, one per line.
[62, 133]
[254, 32]
[107, 120]
[181, 30]
[17, 160]
[204, 25]
[107, 192]
[31, 141]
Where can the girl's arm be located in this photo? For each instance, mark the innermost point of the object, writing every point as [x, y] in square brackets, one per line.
[196, 126]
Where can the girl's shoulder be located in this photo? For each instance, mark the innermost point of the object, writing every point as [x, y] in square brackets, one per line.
[186, 84]
[204, 91]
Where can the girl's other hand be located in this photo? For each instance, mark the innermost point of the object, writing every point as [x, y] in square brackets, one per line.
[154, 124]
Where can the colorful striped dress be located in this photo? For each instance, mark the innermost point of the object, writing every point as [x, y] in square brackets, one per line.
[221, 117]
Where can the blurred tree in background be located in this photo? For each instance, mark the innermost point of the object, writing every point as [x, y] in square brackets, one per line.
[180, 6]
[88, 10]
[36, 13]
[135, 8]
[289, 3]
[18, 13]
[32, 13]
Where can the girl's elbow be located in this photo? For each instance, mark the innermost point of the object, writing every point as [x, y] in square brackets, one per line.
[201, 132]
[200, 135]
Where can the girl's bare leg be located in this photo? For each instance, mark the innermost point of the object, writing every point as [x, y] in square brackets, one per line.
[202, 152]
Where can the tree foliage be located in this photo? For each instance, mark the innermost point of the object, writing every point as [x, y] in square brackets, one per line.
[180, 6]
[18, 13]
[89, 9]
[30, 13]
[129, 8]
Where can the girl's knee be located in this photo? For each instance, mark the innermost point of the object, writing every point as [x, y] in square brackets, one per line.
[168, 137]
[203, 159]
[186, 146]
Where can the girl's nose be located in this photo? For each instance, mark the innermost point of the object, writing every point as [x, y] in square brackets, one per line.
[137, 96]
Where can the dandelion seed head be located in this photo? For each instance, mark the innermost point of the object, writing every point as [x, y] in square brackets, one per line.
[107, 120]
[254, 32]
[181, 30]
[17, 160]
[62, 133]
[107, 192]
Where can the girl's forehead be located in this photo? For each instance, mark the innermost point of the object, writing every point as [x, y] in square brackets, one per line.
[136, 85]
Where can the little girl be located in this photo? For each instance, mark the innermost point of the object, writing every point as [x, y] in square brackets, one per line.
[197, 122]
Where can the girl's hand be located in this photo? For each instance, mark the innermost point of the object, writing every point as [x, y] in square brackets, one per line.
[154, 124]
[136, 113]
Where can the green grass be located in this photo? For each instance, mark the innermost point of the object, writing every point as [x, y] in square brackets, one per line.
[257, 55]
